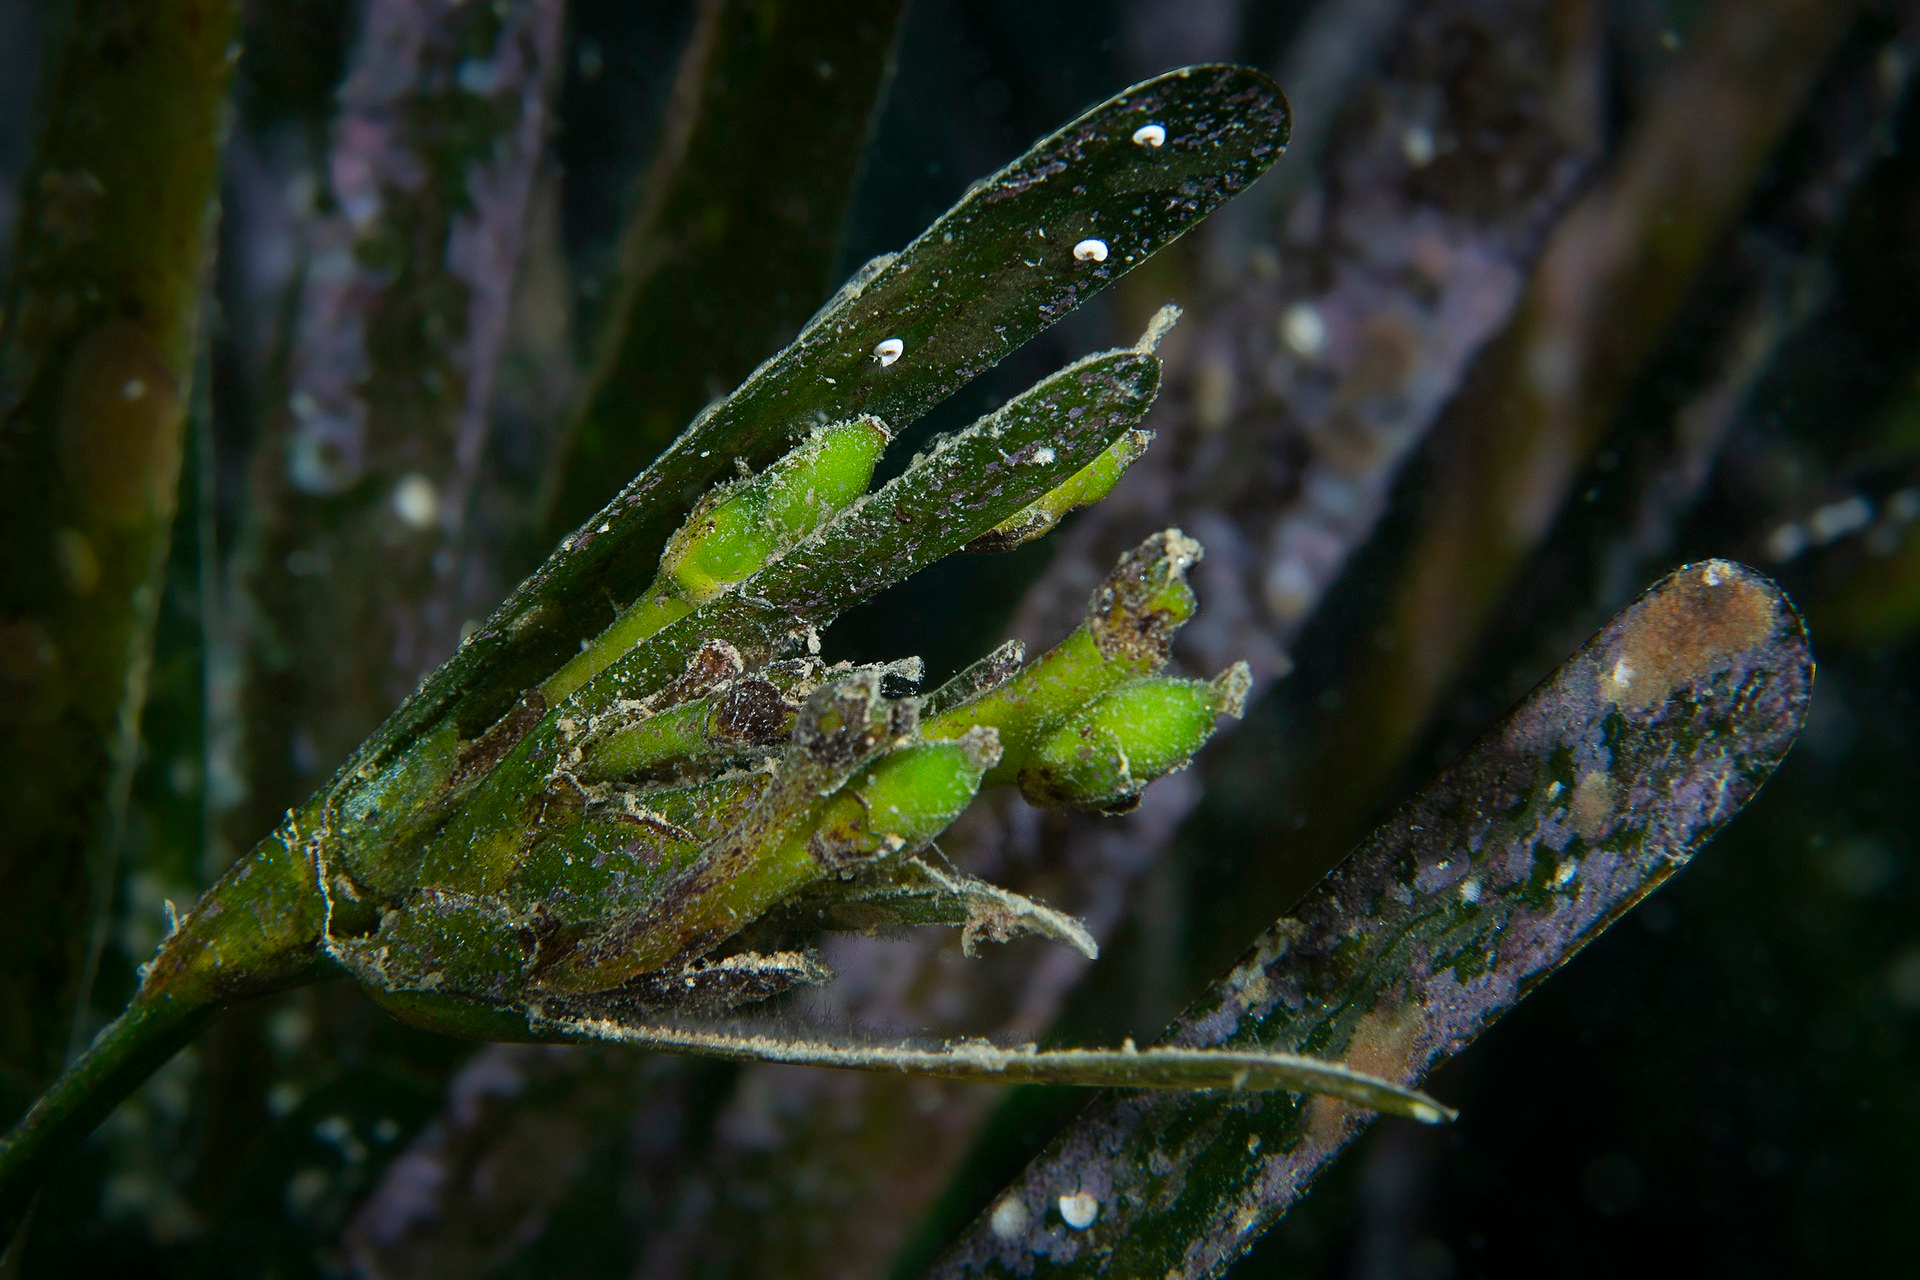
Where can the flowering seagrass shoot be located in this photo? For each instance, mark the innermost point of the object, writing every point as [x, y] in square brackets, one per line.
[633, 799]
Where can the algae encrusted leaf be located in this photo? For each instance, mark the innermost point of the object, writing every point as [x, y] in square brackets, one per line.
[1599, 786]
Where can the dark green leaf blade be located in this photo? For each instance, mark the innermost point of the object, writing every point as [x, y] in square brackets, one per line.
[990, 274]
[1599, 786]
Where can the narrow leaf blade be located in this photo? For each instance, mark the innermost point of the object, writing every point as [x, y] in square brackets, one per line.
[1180, 1070]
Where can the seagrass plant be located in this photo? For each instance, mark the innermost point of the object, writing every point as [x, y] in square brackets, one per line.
[533, 848]
[629, 804]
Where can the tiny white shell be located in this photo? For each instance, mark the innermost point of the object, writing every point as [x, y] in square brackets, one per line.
[1149, 135]
[1091, 250]
[1079, 1210]
[889, 350]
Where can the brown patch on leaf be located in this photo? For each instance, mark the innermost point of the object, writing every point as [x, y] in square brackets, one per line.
[713, 664]
[1693, 625]
[845, 723]
[1135, 611]
[752, 711]
[1383, 1045]
[484, 752]
[1591, 806]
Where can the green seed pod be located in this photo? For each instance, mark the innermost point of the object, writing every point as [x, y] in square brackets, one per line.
[737, 529]
[734, 531]
[1105, 756]
[1131, 620]
[905, 800]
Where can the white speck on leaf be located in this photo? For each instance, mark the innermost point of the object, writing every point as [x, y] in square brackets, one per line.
[1079, 1210]
[888, 350]
[1149, 135]
[1009, 1218]
[1091, 250]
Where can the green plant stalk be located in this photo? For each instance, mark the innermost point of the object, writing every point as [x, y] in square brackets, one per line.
[900, 803]
[257, 931]
[963, 486]
[1130, 625]
[96, 362]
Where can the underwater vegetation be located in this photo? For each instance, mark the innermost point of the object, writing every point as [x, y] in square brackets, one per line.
[328, 323]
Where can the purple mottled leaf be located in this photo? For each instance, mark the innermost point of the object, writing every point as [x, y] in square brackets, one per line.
[1606, 780]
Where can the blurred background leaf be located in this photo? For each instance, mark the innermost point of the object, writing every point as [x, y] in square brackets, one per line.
[98, 355]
